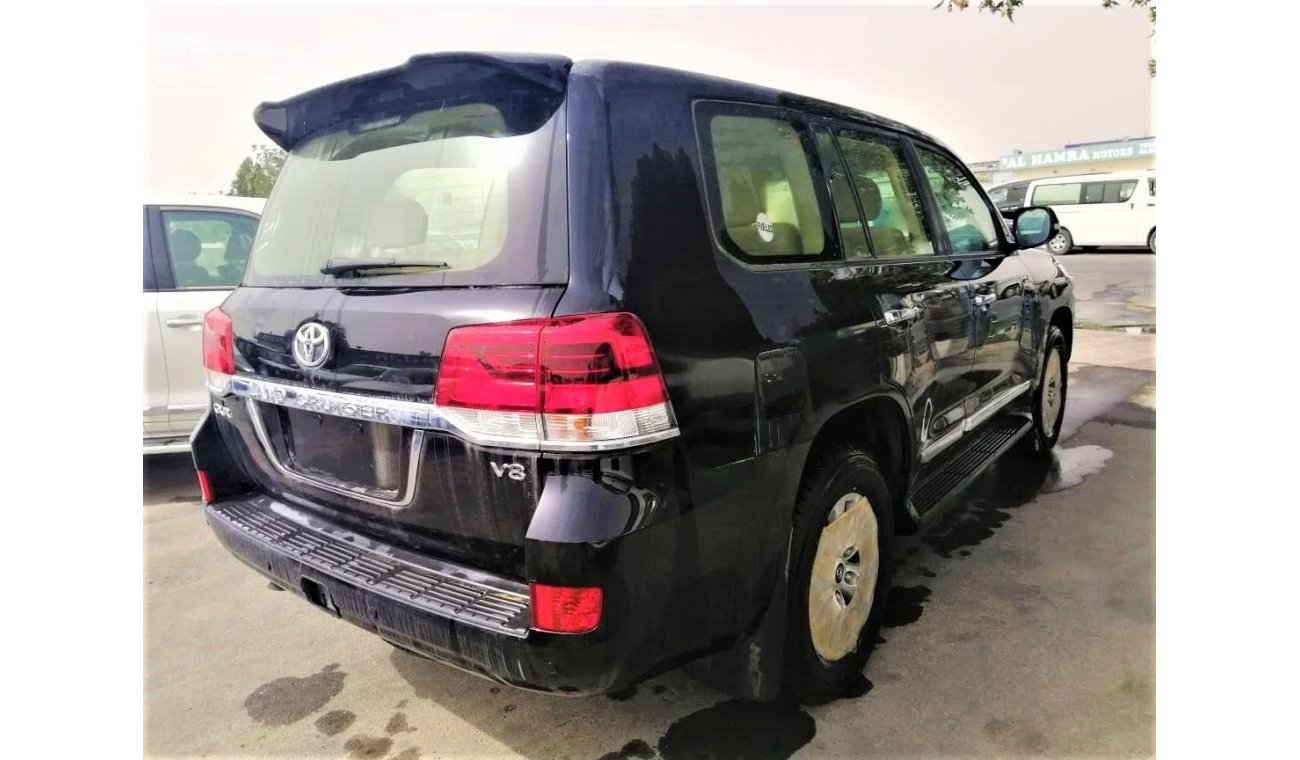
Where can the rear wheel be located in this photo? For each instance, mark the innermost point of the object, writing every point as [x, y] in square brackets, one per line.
[1062, 244]
[1151, 241]
[840, 574]
[1049, 399]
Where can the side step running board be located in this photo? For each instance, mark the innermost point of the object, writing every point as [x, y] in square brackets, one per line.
[982, 448]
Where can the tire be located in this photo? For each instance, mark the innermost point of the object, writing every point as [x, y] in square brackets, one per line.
[1062, 244]
[824, 663]
[1151, 241]
[1049, 399]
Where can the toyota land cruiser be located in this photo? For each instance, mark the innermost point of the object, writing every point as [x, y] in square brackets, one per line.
[571, 373]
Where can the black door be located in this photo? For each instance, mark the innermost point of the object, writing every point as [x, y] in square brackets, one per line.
[926, 311]
[975, 237]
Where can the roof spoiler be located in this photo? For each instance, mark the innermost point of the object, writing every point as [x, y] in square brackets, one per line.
[422, 79]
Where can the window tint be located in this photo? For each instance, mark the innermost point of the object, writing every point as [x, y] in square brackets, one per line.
[1064, 194]
[1093, 192]
[888, 193]
[1119, 192]
[769, 202]
[846, 206]
[470, 189]
[966, 217]
[208, 249]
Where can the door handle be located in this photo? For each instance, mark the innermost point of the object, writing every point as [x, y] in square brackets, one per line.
[900, 317]
[188, 320]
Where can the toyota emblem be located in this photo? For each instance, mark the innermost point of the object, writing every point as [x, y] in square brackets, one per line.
[311, 346]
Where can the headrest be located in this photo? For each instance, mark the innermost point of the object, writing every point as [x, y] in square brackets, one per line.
[236, 248]
[869, 191]
[741, 204]
[185, 246]
[397, 223]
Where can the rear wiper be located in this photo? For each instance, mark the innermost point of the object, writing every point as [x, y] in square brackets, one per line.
[347, 265]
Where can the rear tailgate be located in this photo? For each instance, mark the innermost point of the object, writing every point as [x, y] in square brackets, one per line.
[428, 488]
[414, 200]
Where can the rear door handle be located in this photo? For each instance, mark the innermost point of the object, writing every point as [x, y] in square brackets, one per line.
[188, 320]
[900, 317]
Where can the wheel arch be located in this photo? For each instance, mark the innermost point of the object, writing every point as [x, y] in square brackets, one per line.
[1063, 319]
[879, 424]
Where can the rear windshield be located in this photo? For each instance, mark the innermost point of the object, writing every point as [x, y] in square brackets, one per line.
[457, 185]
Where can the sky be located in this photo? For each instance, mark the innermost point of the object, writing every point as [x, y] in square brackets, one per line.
[985, 86]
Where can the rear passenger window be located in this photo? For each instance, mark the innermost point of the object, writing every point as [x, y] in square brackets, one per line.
[208, 249]
[768, 198]
[967, 219]
[1064, 194]
[888, 193]
[852, 237]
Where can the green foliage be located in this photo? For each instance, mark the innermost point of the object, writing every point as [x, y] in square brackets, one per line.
[1008, 8]
[256, 174]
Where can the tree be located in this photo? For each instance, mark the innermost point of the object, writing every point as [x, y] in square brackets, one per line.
[256, 173]
[1008, 8]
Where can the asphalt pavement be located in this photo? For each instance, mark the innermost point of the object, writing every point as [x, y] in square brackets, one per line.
[1022, 625]
[1113, 288]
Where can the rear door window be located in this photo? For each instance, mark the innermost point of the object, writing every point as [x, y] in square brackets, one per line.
[852, 236]
[207, 249]
[967, 219]
[764, 174]
[888, 193]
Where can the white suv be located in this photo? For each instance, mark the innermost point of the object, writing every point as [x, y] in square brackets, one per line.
[195, 248]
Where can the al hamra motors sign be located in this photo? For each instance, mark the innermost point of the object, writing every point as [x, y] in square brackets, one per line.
[1110, 151]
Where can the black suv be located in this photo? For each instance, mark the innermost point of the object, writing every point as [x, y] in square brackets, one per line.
[571, 373]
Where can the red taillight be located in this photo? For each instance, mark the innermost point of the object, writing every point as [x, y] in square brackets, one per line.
[578, 379]
[561, 609]
[205, 488]
[218, 349]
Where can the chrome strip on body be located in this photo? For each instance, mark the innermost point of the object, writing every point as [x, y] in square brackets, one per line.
[937, 446]
[414, 414]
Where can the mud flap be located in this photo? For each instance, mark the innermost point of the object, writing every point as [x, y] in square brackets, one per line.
[752, 668]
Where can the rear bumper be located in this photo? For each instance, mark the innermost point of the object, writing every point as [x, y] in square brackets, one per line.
[457, 615]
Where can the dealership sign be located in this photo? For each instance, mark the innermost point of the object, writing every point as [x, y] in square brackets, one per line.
[1110, 151]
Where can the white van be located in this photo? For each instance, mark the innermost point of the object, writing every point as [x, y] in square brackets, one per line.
[1099, 209]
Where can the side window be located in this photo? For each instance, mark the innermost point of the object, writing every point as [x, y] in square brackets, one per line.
[1151, 186]
[1120, 192]
[769, 201]
[208, 249]
[846, 206]
[1065, 194]
[1094, 192]
[966, 217]
[891, 204]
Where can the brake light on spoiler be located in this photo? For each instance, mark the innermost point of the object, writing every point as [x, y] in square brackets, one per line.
[566, 382]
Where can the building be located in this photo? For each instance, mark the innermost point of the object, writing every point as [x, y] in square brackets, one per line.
[1082, 158]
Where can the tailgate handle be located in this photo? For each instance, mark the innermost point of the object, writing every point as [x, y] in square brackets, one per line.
[185, 320]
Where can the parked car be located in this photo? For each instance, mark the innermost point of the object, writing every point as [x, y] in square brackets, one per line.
[713, 347]
[195, 248]
[1009, 196]
[1117, 209]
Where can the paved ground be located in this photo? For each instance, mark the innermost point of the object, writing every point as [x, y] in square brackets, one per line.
[1114, 288]
[1023, 625]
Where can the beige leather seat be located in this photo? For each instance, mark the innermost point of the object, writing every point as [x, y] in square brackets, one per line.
[885, 241]
[742, 202]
